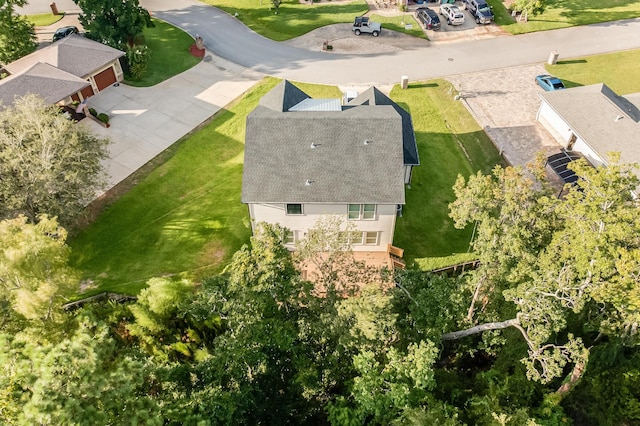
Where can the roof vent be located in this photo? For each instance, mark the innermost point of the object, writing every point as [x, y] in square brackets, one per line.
[314, 145]
[367, 141]
[308, 182]
[618, 118]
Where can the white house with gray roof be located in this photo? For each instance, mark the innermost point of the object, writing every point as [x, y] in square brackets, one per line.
[306, 158]
[56, 72]
[593, 121]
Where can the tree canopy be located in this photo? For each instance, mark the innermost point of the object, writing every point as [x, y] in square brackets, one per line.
[549, 262]
[258, 344]
[17, 34]
[48, 164]
[113, 22]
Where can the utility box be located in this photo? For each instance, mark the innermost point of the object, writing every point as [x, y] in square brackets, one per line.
[553, 57]
[404, 81]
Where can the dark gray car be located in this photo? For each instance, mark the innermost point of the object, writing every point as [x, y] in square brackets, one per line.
[428, 18]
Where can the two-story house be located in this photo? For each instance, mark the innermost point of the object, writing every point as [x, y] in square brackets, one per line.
[306, 158]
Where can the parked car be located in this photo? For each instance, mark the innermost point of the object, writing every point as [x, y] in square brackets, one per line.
[428, 18]
[64, 32]
[480, 11]
[363, 24]
[549, 83]
[452, 13]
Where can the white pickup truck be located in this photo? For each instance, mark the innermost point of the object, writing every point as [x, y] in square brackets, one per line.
[362, 24]
[452, 14]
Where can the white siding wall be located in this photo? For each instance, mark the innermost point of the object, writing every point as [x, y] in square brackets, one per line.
[384, 222]
[554, 124]
[407, 174]
[589, 154]
[560, 129]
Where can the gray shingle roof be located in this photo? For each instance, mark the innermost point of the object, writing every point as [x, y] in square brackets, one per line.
[281, 166]
[40, 79]
[282, 97]
[74, 54]
[605, 121]
[373, 96]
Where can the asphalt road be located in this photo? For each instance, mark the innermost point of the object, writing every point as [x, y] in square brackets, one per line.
[228, 38]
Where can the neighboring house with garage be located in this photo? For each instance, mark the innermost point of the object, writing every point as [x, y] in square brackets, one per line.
[593, 121]
[306, 158]
[55, 71]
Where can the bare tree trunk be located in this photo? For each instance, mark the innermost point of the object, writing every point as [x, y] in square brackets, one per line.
[514, 322]
[476, 294]
[576, 375]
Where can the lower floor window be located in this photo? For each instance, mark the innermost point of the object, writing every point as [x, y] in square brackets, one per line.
[370, 238]
[290, 237]
[359, 238]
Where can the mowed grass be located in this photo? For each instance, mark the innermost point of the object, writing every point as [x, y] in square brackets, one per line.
[185, 218]
[170, 55]
[567, 13]
[398, 23]
[293, 19]
[44, 19]
[450, 142]
[619, 71]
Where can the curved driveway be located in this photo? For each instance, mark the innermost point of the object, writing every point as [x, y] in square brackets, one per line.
[228, 38]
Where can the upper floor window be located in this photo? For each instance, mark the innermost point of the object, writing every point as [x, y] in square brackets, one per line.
[362, 211]
[294, 208]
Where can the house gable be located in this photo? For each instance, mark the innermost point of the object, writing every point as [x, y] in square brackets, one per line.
[373, 96]
[282, 97]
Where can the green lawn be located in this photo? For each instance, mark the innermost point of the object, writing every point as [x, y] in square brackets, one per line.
[44, 19]
[169, 53]
[397, 23]
[293, 19]
[185, 217]
[450, 142]
[619, 71]
[567, 13]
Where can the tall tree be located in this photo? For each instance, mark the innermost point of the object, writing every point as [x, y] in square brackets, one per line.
[33, 266]
[80, 379]
[579, 260]
[113, 22]
[48, 164]
[17, 34]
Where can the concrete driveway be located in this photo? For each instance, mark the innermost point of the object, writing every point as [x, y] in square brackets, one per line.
[145, 121]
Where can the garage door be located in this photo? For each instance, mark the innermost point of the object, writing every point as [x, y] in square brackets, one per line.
[87, 92]
[105, 78]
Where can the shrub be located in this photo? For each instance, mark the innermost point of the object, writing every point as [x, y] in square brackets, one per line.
[138, 59]
[103, 117]
[93, 112]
